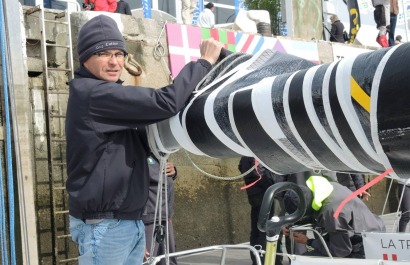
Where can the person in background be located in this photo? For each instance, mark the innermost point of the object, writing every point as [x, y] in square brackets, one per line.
[353, 182]
[148, 215]
[299, 179]
[394, 11]
[107, 149]
[336, 32]
[206, 18]
[382, 19]
[405, 204]
[343, 234]
[187, 11]
[100, 5]
[398, 40]
[123, 8]
[259, 180]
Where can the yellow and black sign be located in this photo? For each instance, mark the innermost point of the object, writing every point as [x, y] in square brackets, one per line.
[354, 15]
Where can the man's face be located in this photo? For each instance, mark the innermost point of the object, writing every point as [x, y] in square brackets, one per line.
[106, 65]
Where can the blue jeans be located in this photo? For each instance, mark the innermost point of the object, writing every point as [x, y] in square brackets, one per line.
[109, 242]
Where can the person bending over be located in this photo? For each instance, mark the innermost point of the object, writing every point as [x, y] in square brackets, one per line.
[343, 234]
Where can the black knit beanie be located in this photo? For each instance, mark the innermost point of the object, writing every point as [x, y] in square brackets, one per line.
[98, 34]
[291, 200]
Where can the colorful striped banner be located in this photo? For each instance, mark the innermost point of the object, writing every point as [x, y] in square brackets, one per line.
[184, 41]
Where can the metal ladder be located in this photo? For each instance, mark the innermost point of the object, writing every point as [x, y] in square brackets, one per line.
[55, 99]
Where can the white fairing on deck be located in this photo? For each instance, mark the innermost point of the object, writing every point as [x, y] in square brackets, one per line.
[304, 260]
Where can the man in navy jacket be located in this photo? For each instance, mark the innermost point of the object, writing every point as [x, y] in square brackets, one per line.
[106, 145]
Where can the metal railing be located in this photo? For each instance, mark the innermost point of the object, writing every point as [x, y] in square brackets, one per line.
[191, 252]
[308, 228]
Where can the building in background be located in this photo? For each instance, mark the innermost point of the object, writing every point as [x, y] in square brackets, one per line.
[298, 18]
[224, 9]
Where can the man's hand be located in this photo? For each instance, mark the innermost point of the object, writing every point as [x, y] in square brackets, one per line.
[170, 169]
[210, 50]
[285, 231]
[300, 238]
[146, 255]
[365, 195]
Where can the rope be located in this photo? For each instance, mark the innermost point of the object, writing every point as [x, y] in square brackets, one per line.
[131, 63]
[256, 181]
[164, 177]
[3, 232]
[157, 146]
[162, 181]
[217, 177]
[159, 52]
[387, 196]
[398, 206]
[10, 183]
[359, 191]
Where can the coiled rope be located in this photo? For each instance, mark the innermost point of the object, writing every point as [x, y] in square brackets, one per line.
[159, 52]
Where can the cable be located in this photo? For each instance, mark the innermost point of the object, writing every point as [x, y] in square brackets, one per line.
[157, 224]
[10, 183]
[233, 15]
[217, 177]
[387, 196]
[397, 219]
[159, 51]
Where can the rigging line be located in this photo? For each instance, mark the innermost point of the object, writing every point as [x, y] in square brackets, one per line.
[162, 183]
[165, 180]
[17, 155]
[9, 167]
[398, 206]
[157, 201]
[387, 196]
[359, 191]
[3, 232]
[217, 177]
[159, 51]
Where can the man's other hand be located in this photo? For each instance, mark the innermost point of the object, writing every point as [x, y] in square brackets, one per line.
[210, 50]
[170, 169]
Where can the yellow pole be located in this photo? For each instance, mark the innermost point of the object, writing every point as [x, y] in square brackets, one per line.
[270, 252]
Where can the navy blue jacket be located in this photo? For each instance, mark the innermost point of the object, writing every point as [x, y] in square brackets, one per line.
[268, 178]
[123, 8]
[106, 151]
